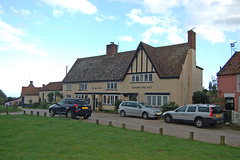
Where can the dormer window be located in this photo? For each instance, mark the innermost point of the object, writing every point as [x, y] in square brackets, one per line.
[145, 77]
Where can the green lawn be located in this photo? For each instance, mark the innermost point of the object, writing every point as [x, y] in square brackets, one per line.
[3, 109]
[31, 137]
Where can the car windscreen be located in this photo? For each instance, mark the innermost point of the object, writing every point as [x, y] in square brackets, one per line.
[81, 102]
[217, 110]
[146, 105]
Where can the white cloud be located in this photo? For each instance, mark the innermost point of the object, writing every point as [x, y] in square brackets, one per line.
[160, 6]
[57, 13]
[126, 38]
[11, 39]
[25, 12]
[1, 11]
[153, 31]
[74, 6]
[103, 18]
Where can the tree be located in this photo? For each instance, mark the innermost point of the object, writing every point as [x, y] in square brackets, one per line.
[50, 96]
[199, 97]
[213, 87]
[3, 97]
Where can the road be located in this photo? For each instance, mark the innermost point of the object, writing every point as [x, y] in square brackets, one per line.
[207, 134]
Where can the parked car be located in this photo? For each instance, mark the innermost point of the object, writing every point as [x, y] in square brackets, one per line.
[139, 109]
[199, 114]
[71, 107]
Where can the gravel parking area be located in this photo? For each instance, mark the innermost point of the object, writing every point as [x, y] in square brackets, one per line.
[207, 134]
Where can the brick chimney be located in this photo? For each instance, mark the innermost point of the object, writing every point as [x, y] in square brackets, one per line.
[112, 49]
[31, 84]
[191, 39]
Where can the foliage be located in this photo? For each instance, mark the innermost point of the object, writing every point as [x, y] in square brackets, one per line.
[3, 109]
[133, 98]
[30, 102]
[3, 97]
[213, 87]
[60, 138]
[217, 101]
[169, 106]
[45, 105]
[199, 97]
[117, 103]
[50, 96]
[35, 105]
[100, 106]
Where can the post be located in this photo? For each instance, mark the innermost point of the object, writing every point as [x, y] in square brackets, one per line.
[45, 114]
[24, 112]
[110, 123]
[97, 121]
[80, 119]
[60, 115]
[222, 140]
[161, 131]
[123, 126]
[191, 136]
[37, 113]
[142, 129]
[7, 110]
[31, 112]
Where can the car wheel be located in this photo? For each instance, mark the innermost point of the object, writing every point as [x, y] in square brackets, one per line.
[168, 118]
[52, 113]
[145, 115]
[122, 114]
[199, 122]
[70, 115]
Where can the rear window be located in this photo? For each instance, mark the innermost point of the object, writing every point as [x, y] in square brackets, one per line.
[82, 102]
[217, 110]
[203, 109]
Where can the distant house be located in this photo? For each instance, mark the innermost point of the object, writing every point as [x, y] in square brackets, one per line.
[11, 103]
[31, 94]
[156, 75]
[229, 83]
[50, 87]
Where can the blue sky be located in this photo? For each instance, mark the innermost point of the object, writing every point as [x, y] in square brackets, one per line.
[39, 38]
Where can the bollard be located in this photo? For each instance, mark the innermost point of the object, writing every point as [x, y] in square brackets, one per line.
[24, 112]
[60, 115]
[7, 110]
[222, 140]
[123, 126]
[191, 136]
[37, 113]
[110, 123]
[45, 114]
[80, 119]
[97, 121]
[31, 112]
[142, 129]
[161, 131]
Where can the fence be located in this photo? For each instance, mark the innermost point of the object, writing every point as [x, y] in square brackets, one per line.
[235, 117]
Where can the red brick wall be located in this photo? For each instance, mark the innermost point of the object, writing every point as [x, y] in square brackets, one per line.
[228, 84]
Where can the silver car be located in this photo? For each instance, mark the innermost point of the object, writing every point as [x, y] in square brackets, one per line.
[199, 114]
[138, 109]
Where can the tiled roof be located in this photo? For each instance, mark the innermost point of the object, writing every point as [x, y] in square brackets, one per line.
[53, 86]
[30, 90]
[232, 66]
[167, 60]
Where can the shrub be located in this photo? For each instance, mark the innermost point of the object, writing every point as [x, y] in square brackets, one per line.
[169, 106]
[199, 97]
[45, 105]
[35, 105]
[133, 98]
[117, 103]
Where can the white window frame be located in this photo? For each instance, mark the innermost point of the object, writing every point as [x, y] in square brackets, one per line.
[83, 87]
[154, 100]
[69, 87]
[112, 86]
[109, 99]
[143, 77]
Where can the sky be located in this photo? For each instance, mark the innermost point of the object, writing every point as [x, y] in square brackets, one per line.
[39, 38]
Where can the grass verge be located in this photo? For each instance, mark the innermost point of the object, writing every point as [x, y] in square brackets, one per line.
[32, 137]
[3, 109]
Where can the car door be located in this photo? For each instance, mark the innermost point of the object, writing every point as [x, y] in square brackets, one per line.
[179, 113]
[132, 108]
[190, 113]
[59, 105]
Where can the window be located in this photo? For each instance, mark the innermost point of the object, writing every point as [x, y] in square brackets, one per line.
[69, 96]
[82, 86]
[191, 109]
[157, 100]
[112, 86]
[69, 87]
[82, 96]
[203, 109]
[110, 99]
[182, 109]
[146, 77]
